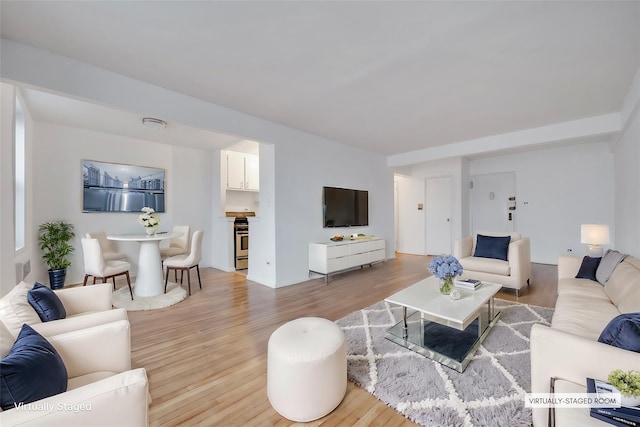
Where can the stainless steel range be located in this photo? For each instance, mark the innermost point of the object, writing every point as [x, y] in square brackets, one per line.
[241, 228]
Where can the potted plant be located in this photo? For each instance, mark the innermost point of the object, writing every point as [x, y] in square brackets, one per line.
[55, 241]
[628, 384]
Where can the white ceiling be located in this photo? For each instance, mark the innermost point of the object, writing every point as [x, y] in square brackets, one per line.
[388, 76]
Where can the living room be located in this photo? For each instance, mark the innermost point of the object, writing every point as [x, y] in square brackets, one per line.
[569, 171]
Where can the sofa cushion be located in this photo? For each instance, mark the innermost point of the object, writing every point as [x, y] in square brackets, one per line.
[588, 268]
[582, 287]
[46, 303]
[492, 247]
[623, 287]
[6, 340]
[32, 370]
[15, 310]
[583, 316]
[608, 264]
[486, 265]
[623, 331]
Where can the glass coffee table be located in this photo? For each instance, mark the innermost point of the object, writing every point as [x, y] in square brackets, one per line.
[440, 328]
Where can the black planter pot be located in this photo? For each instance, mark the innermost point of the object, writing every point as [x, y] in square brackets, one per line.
[56, 278]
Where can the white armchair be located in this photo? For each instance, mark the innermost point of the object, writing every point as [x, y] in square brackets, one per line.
[514, 272]
[102, 388]
[85, 306]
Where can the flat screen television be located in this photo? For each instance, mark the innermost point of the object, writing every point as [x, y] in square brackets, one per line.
[343, 207]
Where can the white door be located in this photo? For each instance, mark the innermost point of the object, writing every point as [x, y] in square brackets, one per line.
[438, 216]
[410, 215]
[493, 202]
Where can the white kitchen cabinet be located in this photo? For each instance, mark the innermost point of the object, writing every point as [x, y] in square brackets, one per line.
[331, 257]
[243, 171]
[251, 172]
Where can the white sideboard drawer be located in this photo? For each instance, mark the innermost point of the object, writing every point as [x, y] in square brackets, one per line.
[359, 259]
[337, 251]
[367, 246]
[375, 256]
[337, 264]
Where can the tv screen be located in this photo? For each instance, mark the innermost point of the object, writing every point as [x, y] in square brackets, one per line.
[343, 207]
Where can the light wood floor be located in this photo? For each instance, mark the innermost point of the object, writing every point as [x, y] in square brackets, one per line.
[206, 357]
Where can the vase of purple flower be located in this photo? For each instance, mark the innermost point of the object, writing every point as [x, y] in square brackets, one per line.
[445, 268]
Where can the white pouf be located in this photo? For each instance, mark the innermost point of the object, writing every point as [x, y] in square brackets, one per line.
[306, 368]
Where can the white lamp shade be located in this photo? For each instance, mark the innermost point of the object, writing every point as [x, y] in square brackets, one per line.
[594, 234]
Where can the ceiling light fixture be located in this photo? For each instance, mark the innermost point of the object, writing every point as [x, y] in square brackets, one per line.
[150, 122]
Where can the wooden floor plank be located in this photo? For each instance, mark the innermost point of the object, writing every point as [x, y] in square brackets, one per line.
[206, 357]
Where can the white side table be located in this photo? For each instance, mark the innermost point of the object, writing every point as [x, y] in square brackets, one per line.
[149, 280]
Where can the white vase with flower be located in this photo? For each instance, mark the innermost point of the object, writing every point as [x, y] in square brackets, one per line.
[149, 220]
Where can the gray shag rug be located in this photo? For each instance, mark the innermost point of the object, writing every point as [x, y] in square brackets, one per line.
[121, 298]
[490, 392]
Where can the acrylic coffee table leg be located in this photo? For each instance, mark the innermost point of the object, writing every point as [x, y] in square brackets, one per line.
[405, 327]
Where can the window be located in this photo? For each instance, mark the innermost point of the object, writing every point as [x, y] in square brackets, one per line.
[19, 178]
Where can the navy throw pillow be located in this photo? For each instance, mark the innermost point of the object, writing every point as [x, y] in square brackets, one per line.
[46, 303]
[588, 268]
[492, 247]
[32, 370]
[623, 331]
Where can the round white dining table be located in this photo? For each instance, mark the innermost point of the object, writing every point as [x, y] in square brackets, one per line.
[149, 280]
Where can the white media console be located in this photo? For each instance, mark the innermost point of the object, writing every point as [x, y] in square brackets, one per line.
[332, 257]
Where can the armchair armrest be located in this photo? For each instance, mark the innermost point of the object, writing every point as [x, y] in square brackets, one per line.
[100, 348]
[70, 324]
[519, 257]
[120, 400]
[568, 266]
[80, 299]
[462, 247]
[559, 354]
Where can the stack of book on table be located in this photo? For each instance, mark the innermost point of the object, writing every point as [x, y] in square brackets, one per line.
[623, 416]
[469, 284]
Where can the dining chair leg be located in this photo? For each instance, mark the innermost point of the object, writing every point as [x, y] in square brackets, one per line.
[175, 276]
[166, 279]
[129, 283]
[181, 275]
[188, 280]
[199, 281]
[86, 276]
[94, 280]
[114, 282]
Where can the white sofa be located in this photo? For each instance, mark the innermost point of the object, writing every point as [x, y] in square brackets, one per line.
[513, 273]
[86, 306]
[102, 388]
[568, 351]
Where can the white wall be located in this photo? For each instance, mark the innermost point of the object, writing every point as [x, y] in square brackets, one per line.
[303, 162]
[302, 168]
[7, 237]
[57, 191]
[557, 190]
[9, 257]
[627, 185]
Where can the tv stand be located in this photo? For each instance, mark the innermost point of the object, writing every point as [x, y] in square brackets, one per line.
[328, 258]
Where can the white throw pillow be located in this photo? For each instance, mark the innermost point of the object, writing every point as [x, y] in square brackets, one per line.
[15, 309]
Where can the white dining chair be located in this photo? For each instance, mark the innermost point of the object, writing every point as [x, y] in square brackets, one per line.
[95, 265]
[107, 252]
[177, 245]
[186, 262]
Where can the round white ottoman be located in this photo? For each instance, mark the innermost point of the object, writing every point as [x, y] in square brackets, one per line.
[306, 368]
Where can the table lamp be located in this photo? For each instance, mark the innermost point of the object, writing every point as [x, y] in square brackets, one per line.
[594, 236]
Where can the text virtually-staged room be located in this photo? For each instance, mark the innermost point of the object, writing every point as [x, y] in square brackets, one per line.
[322, 213]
